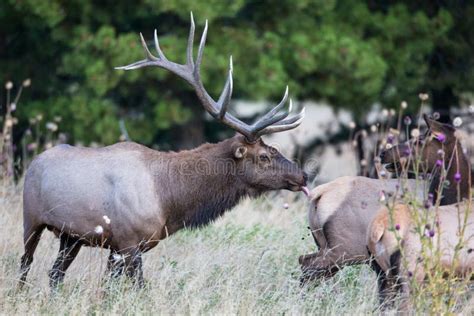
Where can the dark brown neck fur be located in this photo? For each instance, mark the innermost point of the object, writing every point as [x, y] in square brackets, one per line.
[450, 193]
[193, 199]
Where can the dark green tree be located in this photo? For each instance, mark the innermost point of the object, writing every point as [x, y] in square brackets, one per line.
[349, 53]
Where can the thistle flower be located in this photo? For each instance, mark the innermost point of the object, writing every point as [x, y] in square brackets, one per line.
[423, 96]
[407, 120]
[457, 177]
[397, 226]
[427, 204]
[407, 152]
[439, 163]
[98, 229]
[404, 105]
[457, 122]
[430, 233]
[390, 138]
[53, 127]
[415, 133]
[441, 137]
[106, 219]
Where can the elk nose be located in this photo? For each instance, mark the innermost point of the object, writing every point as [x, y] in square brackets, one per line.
[382, 155]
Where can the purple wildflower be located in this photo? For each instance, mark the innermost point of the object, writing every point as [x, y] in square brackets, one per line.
[439, 163]
[431, 233]
[390, 138]
[427, 204]
[457, 177]
[397, 226]
[430, 197]
[441, 137]
[410, 274]
[407, 152]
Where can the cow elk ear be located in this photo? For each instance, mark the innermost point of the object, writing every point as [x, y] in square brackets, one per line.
[240, 152]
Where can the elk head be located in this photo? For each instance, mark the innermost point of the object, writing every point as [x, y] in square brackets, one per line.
[438, 144]
[257, 164]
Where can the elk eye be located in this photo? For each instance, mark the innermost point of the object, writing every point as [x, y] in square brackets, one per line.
[264, 158]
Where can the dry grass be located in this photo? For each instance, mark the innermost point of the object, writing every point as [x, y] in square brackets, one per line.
[246, 263]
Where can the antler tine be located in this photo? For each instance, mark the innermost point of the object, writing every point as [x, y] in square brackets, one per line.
[202, 43]
[157, 47]
[284, 125]
[149, 55]
[270, 117]
[189, 52]
[226, 94]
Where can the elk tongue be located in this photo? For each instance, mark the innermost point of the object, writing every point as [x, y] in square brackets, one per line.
[305, 191]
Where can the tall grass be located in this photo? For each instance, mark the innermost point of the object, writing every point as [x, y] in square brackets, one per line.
[245, 263]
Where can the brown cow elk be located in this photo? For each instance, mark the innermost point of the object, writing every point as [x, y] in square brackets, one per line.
[127, 197]
[393, 234]
[340, 211]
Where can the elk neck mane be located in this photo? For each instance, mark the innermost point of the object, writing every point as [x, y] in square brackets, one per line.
[200, 185]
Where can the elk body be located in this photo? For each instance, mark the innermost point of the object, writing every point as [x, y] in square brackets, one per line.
[340, 211]
[127, 197]
[383, 244]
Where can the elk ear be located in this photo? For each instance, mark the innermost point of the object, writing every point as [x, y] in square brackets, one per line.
[437, 128]
[240, 152]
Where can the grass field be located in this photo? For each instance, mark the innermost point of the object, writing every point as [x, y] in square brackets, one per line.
[246, 263]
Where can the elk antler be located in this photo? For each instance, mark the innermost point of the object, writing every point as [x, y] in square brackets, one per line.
[274, 121]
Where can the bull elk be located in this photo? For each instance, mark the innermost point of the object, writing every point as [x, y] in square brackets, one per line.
[127, 197]
[340, 211]
[392, 233]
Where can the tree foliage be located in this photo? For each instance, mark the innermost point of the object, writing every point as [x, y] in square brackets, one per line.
[349, 53]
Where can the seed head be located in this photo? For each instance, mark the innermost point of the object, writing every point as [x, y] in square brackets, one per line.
[352, 125]
[457, 122]
[27, 83]
[404, 105]
[415, 133]
[98, 229]
[9, 85]
[53, 127]
[423, 96]
[285, 206]
[106, 219]
[373, 128]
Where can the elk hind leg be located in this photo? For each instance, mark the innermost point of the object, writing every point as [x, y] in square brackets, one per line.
[31, 239]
